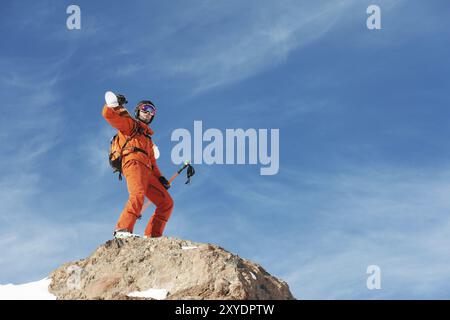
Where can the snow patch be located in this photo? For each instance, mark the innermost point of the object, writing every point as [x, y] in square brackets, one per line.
[37, 290]
[188, 248]
[253, 275]
[158, 294]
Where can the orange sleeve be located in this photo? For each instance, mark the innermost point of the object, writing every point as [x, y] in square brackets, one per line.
[119, 118]
[155, 168]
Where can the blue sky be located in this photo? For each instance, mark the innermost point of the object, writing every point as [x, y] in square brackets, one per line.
[363, 117]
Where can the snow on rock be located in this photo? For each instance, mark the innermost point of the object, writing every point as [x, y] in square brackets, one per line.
[158, 294]
[119, 267]
[188, 247]
[37, 290]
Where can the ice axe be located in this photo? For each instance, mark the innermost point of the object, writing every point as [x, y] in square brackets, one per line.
[189, 173]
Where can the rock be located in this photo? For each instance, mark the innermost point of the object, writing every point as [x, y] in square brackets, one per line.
[187, 270]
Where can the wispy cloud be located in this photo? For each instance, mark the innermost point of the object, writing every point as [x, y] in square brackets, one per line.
[39, 245]
[238, 41]
[95, 151]
[32, 124]
[214, 43]
[259, 40]
[393, 217]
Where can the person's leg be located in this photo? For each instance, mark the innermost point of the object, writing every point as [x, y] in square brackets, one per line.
[136, 176]
[164, 206]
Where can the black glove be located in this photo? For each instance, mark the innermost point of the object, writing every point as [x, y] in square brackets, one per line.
[189, 173]
[121, 99]
[164, 182]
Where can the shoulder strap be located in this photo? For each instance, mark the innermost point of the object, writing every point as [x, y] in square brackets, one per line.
[136, 130]
[133, 133]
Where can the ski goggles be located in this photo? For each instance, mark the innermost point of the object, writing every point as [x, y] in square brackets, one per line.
[148, 108]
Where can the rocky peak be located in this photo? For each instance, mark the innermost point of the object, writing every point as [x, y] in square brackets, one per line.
[164, 268]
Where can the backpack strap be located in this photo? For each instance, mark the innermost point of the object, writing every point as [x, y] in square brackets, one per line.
[136, 149]
[133, 133]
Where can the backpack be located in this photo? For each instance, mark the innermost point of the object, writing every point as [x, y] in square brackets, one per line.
[115, 150]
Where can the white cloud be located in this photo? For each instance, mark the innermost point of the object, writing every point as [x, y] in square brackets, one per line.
[33, 127]
[216, 43]
[257, 40]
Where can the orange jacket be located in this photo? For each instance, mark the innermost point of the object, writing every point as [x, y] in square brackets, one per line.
[120, 118]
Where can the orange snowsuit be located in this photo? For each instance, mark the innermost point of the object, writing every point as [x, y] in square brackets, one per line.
[141, 173]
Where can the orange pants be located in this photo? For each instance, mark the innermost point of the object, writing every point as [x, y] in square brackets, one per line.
[142, 183]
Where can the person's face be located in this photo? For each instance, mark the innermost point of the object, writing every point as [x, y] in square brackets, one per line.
[146, 112]
[145, 116]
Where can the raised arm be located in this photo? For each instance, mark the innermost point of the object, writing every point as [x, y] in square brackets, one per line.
[117, 115]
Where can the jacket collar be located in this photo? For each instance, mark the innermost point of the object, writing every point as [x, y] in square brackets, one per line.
[145, 127]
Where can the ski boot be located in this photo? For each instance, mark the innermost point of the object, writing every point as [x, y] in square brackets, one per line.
[124, 233]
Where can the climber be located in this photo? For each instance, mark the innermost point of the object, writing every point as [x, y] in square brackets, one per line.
[138, 165]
